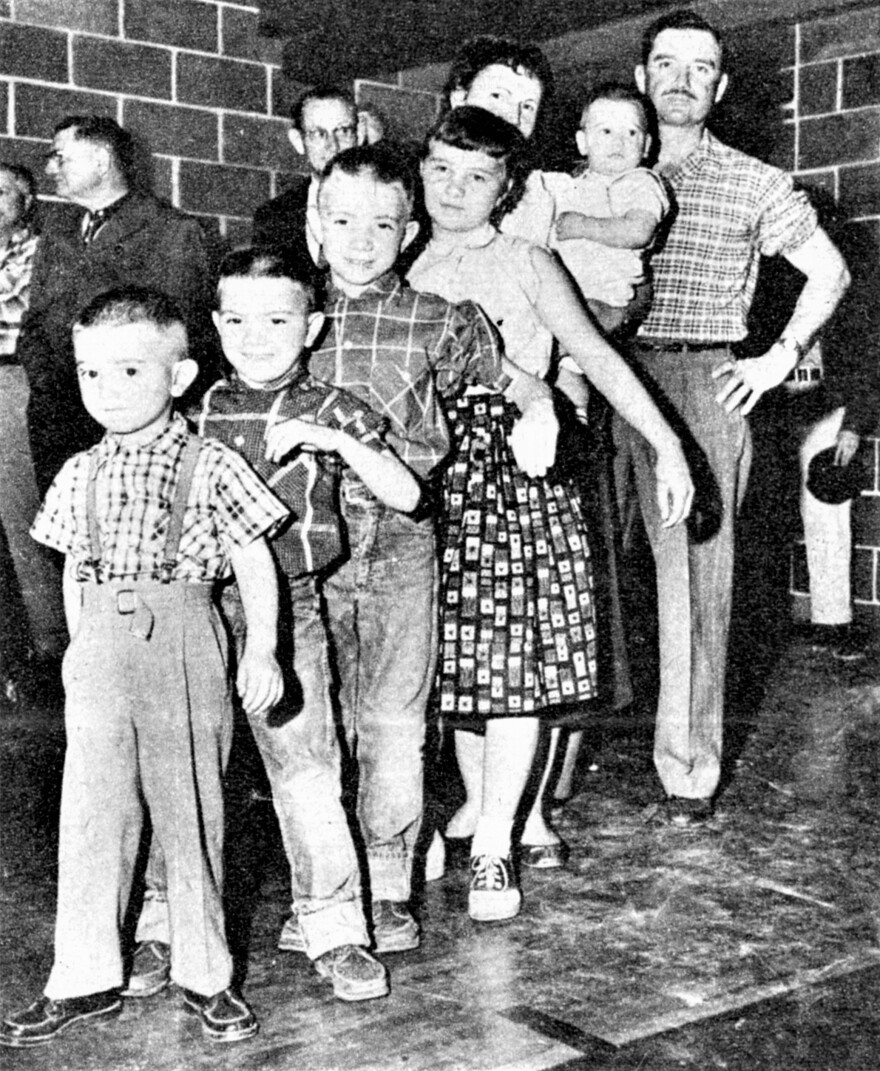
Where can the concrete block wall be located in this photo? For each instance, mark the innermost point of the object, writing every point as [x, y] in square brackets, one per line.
[193, 79]
[835, 144]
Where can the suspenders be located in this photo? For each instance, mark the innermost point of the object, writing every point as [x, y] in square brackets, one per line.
[188, 462]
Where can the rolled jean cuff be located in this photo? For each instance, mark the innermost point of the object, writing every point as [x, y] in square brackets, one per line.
[390, 873]
[332, 926]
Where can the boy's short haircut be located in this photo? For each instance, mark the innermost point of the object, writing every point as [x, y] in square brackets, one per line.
[488, 51]
[685, 19]
[389, 165]
[474, 129]
[125, 305]
[266, 262]
[101, 130]
[325, 91]
[620, 91]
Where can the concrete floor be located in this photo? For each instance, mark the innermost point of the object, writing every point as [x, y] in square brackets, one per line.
[750, 944]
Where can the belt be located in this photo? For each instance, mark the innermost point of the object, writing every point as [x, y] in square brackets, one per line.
[811, 374]
[674, 345]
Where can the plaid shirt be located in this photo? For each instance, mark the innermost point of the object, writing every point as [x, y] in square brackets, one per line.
[401, 352]
[16, 265]
[731, 208]
[307, 480]
[229, 506]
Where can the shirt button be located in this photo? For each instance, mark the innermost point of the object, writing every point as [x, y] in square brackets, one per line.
[348, 344]
[239, 440]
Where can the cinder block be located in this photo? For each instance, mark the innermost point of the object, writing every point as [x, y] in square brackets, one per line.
[864, 571]
[860, 190]
[866, 520]
[39, 108]
[172, 22]
[241, 37]
[861, 81]
[173, 130]
[837, 139]
[258, 142]
[121, 67]
[817, 88]
[285, 92]
[88, 16]
[408, 113]
[848, 34]
[238, 232]
[221, 83]
[222, 190]
[783, 154]
[33, 52]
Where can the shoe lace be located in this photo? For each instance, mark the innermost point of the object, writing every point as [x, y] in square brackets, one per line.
[490, 873]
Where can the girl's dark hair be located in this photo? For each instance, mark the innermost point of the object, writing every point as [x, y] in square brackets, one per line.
[476, 130]
[265, 262]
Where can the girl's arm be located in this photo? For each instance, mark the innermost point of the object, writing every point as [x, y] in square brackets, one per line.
[560, 308]
[384, 474]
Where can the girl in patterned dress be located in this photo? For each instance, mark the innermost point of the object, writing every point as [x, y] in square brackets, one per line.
[517, 620]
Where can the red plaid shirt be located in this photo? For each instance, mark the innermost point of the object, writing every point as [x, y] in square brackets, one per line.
[731, 209]
[402, 352]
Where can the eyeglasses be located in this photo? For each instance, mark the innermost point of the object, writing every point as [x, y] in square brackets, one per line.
[337, 134]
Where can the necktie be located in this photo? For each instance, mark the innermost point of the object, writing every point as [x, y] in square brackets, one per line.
[94, 222]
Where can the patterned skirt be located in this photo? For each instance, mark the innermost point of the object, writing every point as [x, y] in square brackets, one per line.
[517, 613]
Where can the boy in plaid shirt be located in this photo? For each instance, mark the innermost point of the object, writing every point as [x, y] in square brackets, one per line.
[402, 352]
[294, 431]
[148, 520]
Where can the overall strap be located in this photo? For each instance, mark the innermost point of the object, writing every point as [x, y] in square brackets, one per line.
[92, 517]
[188, 463]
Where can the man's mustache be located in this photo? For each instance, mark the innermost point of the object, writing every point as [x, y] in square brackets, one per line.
[680, 93]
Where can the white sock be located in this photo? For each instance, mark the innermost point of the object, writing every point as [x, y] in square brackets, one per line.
[492, 837]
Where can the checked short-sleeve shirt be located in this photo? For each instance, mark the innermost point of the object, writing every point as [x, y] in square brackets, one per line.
[229, 506]
[731, 209]
[402, 352]
[306, 480]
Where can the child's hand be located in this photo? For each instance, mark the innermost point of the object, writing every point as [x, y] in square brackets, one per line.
[570, 225]
[533, 439]
[259, 681]
[293, 434]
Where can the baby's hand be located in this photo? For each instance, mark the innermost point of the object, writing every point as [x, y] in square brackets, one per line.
[259, 681]
[284, 438]
[570, 225]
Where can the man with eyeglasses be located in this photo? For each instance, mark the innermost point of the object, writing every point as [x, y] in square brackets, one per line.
[324, 122]
[109, 233]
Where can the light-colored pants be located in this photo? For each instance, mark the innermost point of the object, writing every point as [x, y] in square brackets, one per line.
[38, 574]
[382, 608]
[694, 566]
[148, 721]
[827, 533]
[301, 754]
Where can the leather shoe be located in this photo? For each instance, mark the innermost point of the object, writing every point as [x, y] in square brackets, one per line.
[544, 856]
[44, 1019]
[225, 1016]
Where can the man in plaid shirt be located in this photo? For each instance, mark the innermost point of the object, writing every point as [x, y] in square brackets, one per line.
[731, 209]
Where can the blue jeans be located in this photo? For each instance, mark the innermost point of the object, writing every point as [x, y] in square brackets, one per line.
[694, 564]
[301, 752]
[382, 610]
